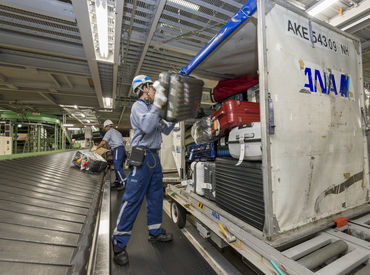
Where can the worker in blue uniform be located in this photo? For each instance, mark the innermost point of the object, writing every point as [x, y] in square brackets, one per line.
[145, 179]
[115, 140]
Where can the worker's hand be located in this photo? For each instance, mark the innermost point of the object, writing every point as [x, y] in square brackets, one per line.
[160, 98]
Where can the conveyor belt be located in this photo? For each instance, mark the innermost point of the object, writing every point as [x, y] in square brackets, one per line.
[176, 257]
[47, 215]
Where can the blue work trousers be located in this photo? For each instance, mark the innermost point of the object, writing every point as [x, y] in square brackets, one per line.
[143, 180]
[118, 159]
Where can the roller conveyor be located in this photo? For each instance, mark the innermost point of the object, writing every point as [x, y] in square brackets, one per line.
[47, 215]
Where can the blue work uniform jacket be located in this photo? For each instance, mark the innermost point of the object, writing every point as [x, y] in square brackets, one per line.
[147, 125]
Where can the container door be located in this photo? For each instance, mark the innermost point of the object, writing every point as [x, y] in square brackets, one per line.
[319, 164]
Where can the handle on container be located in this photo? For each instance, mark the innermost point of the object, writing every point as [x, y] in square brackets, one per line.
[365, 121]
[252, 111]
[217, 115]
[271, 115]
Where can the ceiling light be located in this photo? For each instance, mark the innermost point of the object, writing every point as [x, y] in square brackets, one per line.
[75, 107]
[185, 4]
[88, 121]
[107, 101]
[68, 125]
[320, 6]
[105, 110]
[82, 115]
[102, 25]
[74, 129]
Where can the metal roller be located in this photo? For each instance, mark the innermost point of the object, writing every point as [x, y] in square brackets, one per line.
[322, 255]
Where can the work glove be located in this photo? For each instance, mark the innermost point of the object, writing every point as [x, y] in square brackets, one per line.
[160, 98]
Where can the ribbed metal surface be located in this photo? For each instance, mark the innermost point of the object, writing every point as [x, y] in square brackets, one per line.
[106, 78]
[239, 190]
[181, 32]
[209, 177]
[47, 213]
[38, 25]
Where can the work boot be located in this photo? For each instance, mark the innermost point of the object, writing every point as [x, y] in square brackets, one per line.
[122, 184]
[121, 187]
[163, 237]
[120, 255]
[115, 185]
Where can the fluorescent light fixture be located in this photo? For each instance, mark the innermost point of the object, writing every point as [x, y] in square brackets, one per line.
[74, 129]
[68, 125]
[75, 107]
[108, 102]
[102, 25]
[105, 110]
[185, 4]
[88, 121]
[82, 115]
[320, 6]
[19, 125]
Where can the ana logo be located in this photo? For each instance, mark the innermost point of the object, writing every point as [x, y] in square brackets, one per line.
[327, 82]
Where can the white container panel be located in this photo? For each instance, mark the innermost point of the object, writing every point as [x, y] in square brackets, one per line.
[318, 162]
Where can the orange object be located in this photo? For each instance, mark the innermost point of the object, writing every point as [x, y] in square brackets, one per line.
[341, 221]
[84, 163]
[341, 11]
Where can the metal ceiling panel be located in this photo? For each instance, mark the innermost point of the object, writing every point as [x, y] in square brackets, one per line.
[182, 30]
[26, 22]
[106, 78]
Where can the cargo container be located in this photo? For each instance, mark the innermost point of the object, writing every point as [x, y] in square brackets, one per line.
[313, 125]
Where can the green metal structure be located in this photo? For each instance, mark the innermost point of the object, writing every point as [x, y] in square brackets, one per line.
[33, 132]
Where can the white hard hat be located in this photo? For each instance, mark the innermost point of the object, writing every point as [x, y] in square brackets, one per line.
[138, 81]
[107, 122]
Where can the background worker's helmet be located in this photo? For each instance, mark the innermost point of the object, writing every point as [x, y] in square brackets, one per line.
[108, 122]
[138, 81]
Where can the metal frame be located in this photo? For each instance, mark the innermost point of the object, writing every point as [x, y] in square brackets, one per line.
[50, 28]
[101, 255]
[150, 35]
[83, 20]
[56, 9]
[250, 238]
[154, 24]
[257, 251]
[29, 117]
[247, 244]
[309, 229]
[264, 111]
[361, 8]
[117, 43]
[36, 122]
[42, 46]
